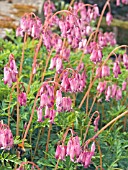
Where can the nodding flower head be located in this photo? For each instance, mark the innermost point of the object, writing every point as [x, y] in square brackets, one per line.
[116, 69]
[125, 60]
[73, 148]
[10, 71]
[101, 86]
[124, 86]
[6, 137]
[39, 114]
[86, 156]
[118, 94]
[109, 18]
[60, 152]
[22, 98]
[31, 25]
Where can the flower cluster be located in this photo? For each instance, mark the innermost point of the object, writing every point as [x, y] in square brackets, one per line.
[103, 71]
[75, 152]
[74, 27]
[63, 104]
[106, 38]
[6, 137]
[10, 71]
[112, 91]
[75, 83]
[47, 102]
[123, 2]
[96, 52]
[48, 9]
[31, 25]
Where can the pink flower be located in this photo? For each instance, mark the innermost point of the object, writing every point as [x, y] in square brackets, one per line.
[96, 56]
[109, 18]
[66, 104]
[105, 71]
[114, 90]
[60, 152]
[125, 60]
[39, 114]
[118, 94]
[124, 85]
[7, 76]
[59, 65]
[117, 2]
[108, 93]
[99, 72]
[101, 86]
[96, 122]
[22, 98]
[53, 63]
[12, 63]
[6, 137]
[10, 71]
[47, 112]
[44, 100]
[73, 148]
[52, 116]
[58, 98]
[116, 69]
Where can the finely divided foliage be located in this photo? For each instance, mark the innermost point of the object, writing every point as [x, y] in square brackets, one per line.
[64, 89]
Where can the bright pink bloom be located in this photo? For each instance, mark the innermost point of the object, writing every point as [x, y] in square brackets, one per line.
[118, 94]
[101, 86]
[60, 152]
[125, 60]
[22, 98]
[7, 76]
[96, 56]
[39, 114]
[6, 137]
[59, 65]
[12, 63]
[116, 69]
[105, 71]
[117, 2]
[96, 122]
[53, 63]
[109, 18]
[58, 98]
[108, 93]
[73, 148]
[124, 85]
[114, 90]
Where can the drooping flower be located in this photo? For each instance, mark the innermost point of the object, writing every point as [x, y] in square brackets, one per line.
[86, 156]
[124, 85]
[73, 148]
[116, 69]
[125, 60]
[96, 122]
[114, 90]
[6, 137]
[60, 152]
[108, 93]
[109, 18]
[39, 114]
[101, 86]
[10, 71]
[22, 98]
[118, 94]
